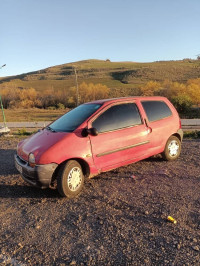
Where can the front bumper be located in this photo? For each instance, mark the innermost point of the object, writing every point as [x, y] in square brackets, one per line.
[40, 175]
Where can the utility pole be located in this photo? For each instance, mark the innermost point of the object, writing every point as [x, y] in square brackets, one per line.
[5, 129]
[77, 91]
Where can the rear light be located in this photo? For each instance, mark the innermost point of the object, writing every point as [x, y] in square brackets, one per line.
[31, 160]
[180, 123]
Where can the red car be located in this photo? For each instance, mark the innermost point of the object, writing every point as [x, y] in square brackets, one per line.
[96, 137]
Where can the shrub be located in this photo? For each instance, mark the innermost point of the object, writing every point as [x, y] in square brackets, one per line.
[192, 134]
[60, 106]
[23, 132]
[51, 108]
[182, 103]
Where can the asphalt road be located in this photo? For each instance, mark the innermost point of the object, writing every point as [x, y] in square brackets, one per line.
[185, 123]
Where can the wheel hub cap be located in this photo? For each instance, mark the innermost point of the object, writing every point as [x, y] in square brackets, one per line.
[173, 148]
[74, 179]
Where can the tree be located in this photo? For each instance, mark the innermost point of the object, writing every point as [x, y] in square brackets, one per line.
[88, 92]
[151, 88]
[182, 103]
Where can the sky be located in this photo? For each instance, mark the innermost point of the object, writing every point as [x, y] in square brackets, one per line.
[36, 34]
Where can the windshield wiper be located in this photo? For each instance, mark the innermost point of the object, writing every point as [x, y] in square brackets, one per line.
[51, 129]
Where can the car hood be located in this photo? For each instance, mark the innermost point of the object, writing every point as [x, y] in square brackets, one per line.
[39, 143]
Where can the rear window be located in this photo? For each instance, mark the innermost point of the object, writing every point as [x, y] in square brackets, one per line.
[156, 110]
[117, 117]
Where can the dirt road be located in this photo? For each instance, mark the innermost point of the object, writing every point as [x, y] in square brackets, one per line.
[118, 219]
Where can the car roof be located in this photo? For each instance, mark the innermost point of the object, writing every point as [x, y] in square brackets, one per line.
[123, 99]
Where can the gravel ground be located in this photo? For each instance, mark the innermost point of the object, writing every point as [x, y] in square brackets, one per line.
[118, 219]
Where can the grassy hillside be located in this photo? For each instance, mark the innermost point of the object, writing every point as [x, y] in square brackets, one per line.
[121, 76]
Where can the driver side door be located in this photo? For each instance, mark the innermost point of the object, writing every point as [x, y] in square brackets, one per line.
[122, 136]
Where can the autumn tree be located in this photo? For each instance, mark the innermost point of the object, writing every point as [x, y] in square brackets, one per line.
[151, 88]
[88, 92]
[182, 103]
[19, 98]
[27, 98]
[184, 96]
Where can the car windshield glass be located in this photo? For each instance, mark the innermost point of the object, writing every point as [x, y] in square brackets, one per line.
[73, 119]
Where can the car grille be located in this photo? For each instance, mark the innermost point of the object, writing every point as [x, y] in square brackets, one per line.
[22, 161]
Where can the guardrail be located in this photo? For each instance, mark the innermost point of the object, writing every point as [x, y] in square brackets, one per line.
[190, 122]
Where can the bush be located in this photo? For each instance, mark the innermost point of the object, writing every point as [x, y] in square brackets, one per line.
[23, 132]
[182, 103]
[60, 106]
[51, 108]
[192, 134]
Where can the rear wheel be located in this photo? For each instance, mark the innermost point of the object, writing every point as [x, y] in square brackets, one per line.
[70, 179]
[172, 149]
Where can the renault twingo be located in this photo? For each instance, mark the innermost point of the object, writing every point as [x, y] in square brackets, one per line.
[96, 137]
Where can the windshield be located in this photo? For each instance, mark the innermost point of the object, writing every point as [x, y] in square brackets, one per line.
[73, 119]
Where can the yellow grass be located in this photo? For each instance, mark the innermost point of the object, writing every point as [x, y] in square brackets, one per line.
[28, 115]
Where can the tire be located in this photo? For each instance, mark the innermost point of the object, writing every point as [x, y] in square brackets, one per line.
[172, 149]
[70, 179]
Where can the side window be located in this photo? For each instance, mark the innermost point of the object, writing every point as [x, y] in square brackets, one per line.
[118, 116]
[156, 110]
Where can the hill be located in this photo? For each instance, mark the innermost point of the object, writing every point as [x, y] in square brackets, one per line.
[121, 76]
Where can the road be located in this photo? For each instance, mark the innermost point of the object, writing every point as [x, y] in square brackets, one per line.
[40, 124]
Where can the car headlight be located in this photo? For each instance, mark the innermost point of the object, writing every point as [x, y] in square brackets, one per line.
[31, 160]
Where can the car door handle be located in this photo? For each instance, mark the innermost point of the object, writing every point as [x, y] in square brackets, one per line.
[149, 130]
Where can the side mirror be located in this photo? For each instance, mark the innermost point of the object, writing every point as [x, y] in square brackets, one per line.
[92, 131]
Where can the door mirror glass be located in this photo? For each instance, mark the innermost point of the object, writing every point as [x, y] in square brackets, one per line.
[93, 131]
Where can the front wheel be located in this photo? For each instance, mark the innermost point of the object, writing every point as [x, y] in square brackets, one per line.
[70, 179]
[172, 149]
